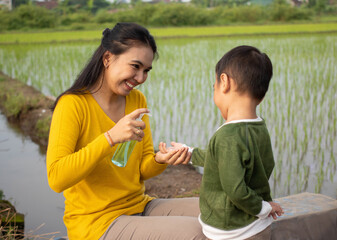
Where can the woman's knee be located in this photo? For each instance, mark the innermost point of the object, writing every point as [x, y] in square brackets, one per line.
[173, 207]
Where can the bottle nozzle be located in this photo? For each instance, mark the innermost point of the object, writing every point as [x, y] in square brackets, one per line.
[141, 116]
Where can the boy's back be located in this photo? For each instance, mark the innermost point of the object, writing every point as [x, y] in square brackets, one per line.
[237, 166]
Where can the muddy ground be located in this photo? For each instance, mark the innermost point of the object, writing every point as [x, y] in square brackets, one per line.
[175, 181]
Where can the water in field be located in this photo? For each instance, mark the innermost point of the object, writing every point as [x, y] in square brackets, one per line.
[299, 109]
[23, 180]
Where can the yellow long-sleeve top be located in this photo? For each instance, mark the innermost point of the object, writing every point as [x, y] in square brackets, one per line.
[79, 164]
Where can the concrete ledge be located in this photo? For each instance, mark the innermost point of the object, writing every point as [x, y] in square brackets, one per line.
[306, 216]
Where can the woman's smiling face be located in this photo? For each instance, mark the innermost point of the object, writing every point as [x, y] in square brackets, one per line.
[126, 71]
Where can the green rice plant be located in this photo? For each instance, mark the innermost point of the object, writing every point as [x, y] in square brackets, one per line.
[320, 176]
[43, 66]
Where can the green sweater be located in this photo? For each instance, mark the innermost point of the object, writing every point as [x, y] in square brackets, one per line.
[237, 165]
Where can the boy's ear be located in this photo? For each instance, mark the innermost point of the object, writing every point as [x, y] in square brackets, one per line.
[225, 83]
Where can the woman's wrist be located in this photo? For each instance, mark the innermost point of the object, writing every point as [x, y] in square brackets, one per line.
[157, 160]
[109, 139]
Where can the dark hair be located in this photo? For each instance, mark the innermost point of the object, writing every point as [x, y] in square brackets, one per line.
[117, 41]
[249, 68]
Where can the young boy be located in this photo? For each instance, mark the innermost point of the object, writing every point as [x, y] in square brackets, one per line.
[235, 201]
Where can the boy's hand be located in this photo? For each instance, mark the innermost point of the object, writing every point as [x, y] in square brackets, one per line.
[173, 157]
[164, 149]
[184, 157]
[276, 210]
[175, 145]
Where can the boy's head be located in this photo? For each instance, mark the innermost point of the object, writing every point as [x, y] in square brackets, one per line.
[250, 69]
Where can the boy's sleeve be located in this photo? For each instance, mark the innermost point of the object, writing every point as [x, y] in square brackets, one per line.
[198, 157]
[266, 209]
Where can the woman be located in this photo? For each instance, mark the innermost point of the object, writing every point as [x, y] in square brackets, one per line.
[103, 200]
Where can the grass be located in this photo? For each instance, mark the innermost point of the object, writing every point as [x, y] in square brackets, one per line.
[11, 222]
[42, 127]
[171, 32]
[245, 30]
[8, 225]
[13, 104]
[12, 227]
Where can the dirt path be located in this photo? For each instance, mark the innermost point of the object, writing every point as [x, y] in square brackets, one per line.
[175, 181]
[29, 110]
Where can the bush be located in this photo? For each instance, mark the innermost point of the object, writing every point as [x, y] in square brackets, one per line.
[4, 20]
[36, 17]
[331, 9]
[79, 17]
[28, 16]
[120, 15]
[128, 15]
[180, 15]
[284, 12]
[250, 14]
[161, 14]
[145, 11]
[299, 14]
[103, 16]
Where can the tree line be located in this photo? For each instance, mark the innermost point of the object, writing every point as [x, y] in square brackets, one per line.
[86, 14]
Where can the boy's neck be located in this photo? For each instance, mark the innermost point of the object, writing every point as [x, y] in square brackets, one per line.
[242, 108]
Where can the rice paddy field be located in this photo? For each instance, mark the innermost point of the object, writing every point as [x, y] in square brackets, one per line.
[299, 109]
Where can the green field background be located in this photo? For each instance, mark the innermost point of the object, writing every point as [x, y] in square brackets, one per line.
[171, 32]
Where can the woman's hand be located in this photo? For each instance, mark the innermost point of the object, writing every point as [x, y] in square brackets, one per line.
[128, 128]
[178, 154]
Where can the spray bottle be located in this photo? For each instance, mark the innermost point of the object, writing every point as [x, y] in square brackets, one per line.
[124, 150]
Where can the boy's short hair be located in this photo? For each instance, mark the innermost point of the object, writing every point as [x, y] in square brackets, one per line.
[250, 69]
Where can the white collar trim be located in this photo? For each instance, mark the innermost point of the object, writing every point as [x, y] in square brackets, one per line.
[258, 119]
